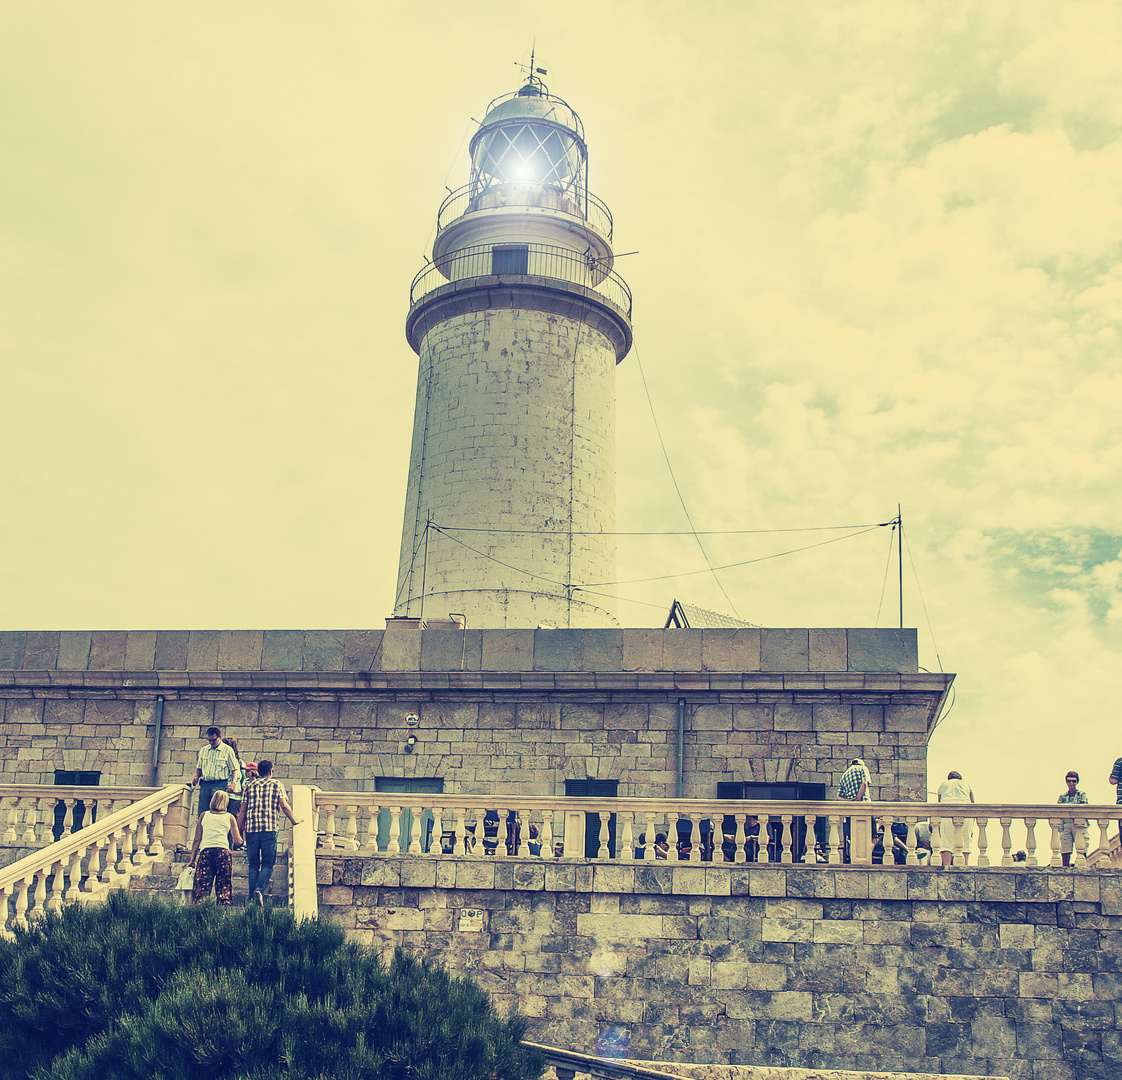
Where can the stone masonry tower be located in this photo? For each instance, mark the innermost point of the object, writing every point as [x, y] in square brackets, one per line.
[519, 321]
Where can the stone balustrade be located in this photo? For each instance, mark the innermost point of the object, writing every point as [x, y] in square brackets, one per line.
[84, 865]
[31, 813]
[629, 830]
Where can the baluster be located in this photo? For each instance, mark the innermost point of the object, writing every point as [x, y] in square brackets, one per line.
[40, 908]
[546, 836]
[626, 853]
[30, 820]
[329, 829]
[93, 867]
[695, 838]
[74, 889]
[980, 827]
[1006, 841]
[957, 858]
[1104, 844]
[649, 842]
[57, 882]
[350, 836]
[415, 830]
[741, 837]
[834, 834]
[5, 896]
[1079, 847]
[13, 818]
[524, 816]
[124, 862]
[461, 831]
[21, 902]
[372, 813]
[157, 845]
[786, 839]
[68, 817]
[394, 847]
[1030, 842]
[911, 842]
[111, 855]
[604, 852]
[436, 848]
[501, 832]
[140, 848]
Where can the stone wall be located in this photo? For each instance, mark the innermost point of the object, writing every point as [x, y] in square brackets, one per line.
[1006, 972]
[512, 433]
[527, 710]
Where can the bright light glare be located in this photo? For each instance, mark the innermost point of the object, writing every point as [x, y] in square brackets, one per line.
[524, 172]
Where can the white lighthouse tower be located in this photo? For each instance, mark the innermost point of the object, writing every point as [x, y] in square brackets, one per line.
[519, 321]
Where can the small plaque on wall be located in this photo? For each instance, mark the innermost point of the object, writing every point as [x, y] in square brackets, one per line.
[471, 919]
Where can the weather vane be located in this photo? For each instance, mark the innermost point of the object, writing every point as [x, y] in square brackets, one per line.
[529, 70]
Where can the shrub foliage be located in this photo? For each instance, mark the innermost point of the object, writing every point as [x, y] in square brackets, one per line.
[142, 988]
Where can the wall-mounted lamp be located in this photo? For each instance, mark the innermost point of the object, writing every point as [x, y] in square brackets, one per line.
[410, 743]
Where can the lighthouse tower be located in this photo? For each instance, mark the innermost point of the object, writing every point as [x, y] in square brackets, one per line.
[518, 321]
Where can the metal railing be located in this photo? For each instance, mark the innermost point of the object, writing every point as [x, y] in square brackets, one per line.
[542, 261]
[626, 830]
[579, 204]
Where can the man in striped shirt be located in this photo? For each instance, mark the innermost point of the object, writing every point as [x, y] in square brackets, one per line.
[262, 801]
[216, 768]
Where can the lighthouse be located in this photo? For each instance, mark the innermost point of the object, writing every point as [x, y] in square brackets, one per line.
[518, 321]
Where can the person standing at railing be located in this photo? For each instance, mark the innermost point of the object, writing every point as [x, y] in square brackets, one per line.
[217, 766]
[852, 787]
[262, 801]
[234, 790]
[955, 790]
[1069, 827]
[1116, 780]
[213, 866]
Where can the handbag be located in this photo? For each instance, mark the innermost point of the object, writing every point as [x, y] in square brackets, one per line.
[186, 878]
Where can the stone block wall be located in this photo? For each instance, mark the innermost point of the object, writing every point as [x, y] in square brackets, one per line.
[526, 711]
[512, 433]
[1006, 972]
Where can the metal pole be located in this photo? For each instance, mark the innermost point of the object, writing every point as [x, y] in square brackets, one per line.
[900, 561]
[156, 743]
[424, 574]
[681, 746]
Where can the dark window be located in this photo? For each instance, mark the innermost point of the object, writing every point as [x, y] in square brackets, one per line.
[74, 778]
[510, 260]
[598, 789]
[407, 785]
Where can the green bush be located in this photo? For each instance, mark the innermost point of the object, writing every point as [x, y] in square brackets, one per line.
[141, 988]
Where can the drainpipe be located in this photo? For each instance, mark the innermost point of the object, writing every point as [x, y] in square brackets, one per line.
[681, 746]
[156, 743]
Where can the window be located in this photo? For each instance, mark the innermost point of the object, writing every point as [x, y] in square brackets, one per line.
[407, 785]
[592, 789]
[512, 259]
[74, 778]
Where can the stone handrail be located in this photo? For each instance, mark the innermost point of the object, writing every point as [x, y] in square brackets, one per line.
[27, 811]
[828, 832]
[121, 844]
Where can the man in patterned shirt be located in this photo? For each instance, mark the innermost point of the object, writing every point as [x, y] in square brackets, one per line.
[262, 800]
[216, 768]
[1070, 825]
[853, 787]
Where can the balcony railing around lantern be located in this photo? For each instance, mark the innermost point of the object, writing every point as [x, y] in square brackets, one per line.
[579, 204]
[627, 830]
[541, 261]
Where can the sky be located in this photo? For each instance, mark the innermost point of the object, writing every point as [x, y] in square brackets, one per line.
[877, 265]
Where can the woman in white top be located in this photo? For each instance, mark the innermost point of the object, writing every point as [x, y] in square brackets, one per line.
[212, 863]
[955, 790]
